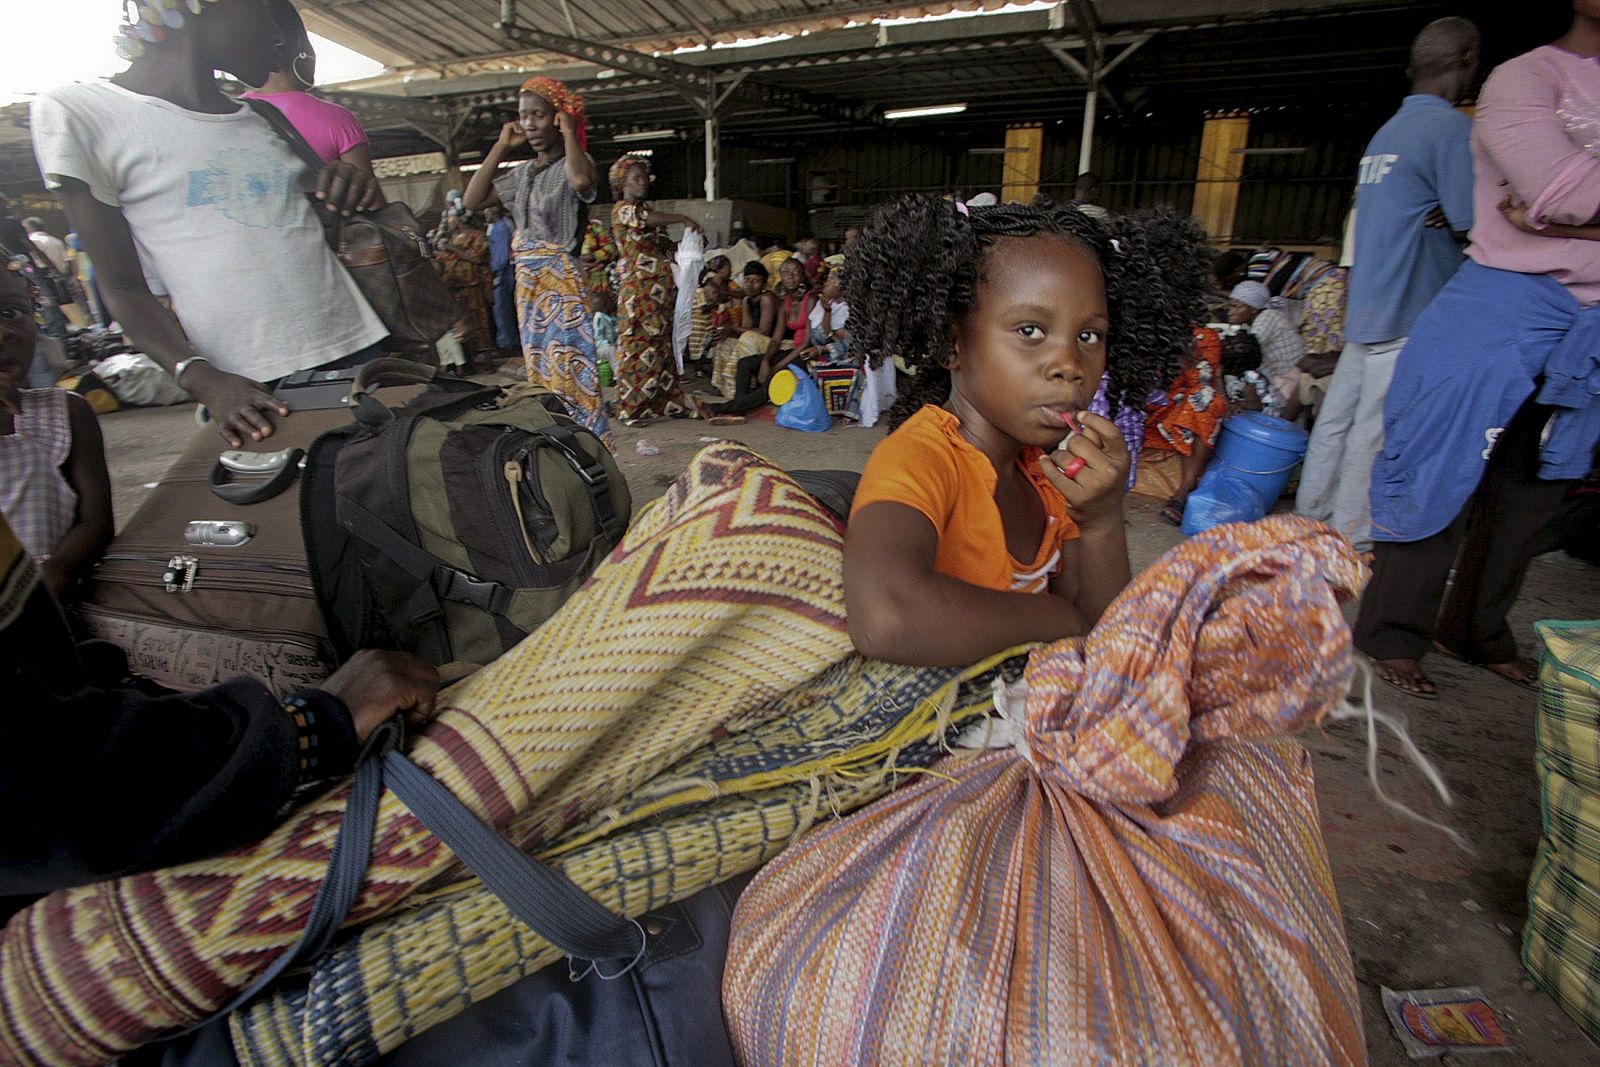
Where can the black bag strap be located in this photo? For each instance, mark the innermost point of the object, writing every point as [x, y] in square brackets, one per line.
[448, 582]
[347, 868]
[550, 903]
[388, 370]
[596, 479]
[285, 129]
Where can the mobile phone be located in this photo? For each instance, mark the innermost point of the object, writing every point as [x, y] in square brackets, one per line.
[226, 532]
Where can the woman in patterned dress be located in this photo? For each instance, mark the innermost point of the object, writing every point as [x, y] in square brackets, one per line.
[646, 373]
[463, 265]
[546, 198]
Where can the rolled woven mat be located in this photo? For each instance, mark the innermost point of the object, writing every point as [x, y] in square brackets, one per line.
[726, 809]
[723, 596]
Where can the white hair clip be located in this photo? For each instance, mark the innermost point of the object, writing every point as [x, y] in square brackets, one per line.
[1116, 246]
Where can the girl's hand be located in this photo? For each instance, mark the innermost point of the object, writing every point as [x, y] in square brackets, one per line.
[511, 135]
[566, 124]
[346, 189]
[1516, 213]
[1094, 493]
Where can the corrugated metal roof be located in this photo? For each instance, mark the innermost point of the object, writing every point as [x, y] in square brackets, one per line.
[445, 31]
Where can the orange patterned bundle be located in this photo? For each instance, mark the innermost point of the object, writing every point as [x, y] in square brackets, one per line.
[1141, 879]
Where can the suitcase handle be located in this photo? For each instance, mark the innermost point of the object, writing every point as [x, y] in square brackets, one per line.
[256, 492]
[388, 370]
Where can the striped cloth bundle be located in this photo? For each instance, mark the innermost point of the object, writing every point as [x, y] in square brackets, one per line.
[1141, 880]
[724, 597]
[1561, 941]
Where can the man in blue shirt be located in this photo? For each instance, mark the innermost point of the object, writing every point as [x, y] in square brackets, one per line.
[1413, 197]
[505, 280]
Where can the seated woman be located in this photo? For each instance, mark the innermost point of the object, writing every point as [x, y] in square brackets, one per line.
[827, 340]
[715, 339]
[759, 361]
[1243, 381]
[1181, 427]
[54, 487]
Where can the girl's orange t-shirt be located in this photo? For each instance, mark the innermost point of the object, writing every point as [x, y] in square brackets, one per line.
[926, 464]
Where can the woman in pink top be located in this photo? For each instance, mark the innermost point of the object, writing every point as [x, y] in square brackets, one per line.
[1493, 414]
[328, 128]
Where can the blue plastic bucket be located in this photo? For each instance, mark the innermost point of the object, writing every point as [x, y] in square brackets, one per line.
[1261, 452]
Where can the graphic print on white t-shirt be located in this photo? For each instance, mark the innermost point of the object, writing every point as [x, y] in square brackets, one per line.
[243, 184]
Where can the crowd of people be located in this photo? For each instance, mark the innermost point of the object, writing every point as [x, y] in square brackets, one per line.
[1049, 356]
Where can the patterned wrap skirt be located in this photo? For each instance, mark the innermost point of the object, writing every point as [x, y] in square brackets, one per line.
[558, 330]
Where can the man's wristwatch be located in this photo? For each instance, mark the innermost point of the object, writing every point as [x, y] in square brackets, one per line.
[185, 364]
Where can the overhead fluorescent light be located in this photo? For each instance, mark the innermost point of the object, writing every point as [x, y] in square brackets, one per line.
[772, 161]
[644, 135]
[925, 112]
[996, 151]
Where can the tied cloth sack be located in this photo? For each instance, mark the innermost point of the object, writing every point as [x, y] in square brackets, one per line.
[1140, 879]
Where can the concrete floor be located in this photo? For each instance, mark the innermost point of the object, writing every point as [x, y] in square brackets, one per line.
[1420, 912]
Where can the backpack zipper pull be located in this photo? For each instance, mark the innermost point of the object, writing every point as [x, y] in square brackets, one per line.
[513, 472]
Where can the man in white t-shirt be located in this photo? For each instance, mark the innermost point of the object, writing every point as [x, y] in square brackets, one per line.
[162, 175]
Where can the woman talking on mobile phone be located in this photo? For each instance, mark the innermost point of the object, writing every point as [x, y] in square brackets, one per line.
[546, 198]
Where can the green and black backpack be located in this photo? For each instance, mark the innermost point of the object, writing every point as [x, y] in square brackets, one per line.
[456, 524]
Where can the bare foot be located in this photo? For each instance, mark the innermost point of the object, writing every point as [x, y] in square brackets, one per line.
[1407, 676]
[1519, 671]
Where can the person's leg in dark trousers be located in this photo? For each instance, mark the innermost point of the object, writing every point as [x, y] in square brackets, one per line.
[1502, 536]
[505, 309]
[1401, 604]
[1400, 613]
[750, 394]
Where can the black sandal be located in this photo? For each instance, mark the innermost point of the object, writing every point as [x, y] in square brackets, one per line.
[1172, 511]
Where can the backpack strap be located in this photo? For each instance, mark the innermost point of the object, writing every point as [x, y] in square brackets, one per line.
[596, 479]
[445, 581]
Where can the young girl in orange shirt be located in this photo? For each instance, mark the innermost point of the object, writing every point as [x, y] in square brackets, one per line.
[992, 516]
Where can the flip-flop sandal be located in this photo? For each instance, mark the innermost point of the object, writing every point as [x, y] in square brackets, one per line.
[1529, 681]
[1172, 513]
[726, 420]
[1381, 674]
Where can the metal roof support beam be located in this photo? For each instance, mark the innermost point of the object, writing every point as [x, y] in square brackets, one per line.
[1094, 77]
[1083, 13]
[678, 75]
[688, 80]
[1133, 46]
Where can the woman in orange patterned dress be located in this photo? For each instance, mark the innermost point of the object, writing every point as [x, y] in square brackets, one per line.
[1182, 429]
[646, 372]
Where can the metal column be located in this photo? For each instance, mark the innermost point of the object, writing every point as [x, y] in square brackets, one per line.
[711, 157]
[1086, 145]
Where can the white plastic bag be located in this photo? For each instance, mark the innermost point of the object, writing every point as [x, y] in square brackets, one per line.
[686, 273]
[137, 381]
